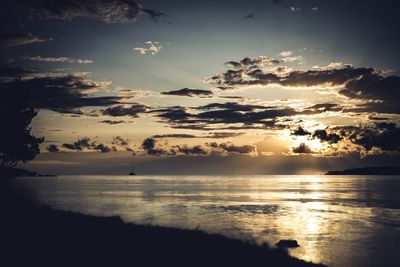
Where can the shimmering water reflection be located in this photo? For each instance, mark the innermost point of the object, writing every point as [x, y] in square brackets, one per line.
[341, 221]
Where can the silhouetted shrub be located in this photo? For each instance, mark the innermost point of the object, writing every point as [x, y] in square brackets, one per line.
[16, 114]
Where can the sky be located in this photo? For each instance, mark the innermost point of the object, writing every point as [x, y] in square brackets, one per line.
[207, 87]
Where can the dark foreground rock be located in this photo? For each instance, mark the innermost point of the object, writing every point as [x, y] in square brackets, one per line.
[382, 170]
[41, 236]
[287, 244]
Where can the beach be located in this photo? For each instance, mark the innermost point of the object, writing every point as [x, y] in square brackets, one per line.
[40, 236]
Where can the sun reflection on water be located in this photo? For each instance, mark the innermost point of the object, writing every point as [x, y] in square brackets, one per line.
[328, 216]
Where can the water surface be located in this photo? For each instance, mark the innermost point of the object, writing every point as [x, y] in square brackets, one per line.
[341, 221]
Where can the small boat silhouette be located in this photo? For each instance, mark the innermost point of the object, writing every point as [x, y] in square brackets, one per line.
[132, 173]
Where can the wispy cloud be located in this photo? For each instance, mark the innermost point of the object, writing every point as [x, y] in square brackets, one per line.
[189, 92]
[289, 57]
[17, 39]
[151, 47]
[60, 60]
[295, 9]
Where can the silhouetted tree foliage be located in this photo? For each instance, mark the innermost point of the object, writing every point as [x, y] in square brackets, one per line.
[16, 114]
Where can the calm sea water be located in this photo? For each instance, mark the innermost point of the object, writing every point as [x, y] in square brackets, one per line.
[342, 221]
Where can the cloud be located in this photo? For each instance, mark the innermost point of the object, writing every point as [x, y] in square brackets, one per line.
[360, 83]
[289, 57]
[189, 92]
[53, 148]
[61, 92]
[85, 144]
[80, 144]
[250, 16]
[118, 140]
[60, 60]
[187, 150]
[18, 39]
[113, 122]
[286, 53]
[149, 146]
[322, 107]
[102, 148]
[247, 61]
[324, 135]
[152, 48]
[109, 11]
[298, 59]
[234, 116]
[258, 75]
[385, 137]
[174, 136]
[295, 9]
[229, 147]
[221, 135]
[300, 132]
[123, 110]
[371, 139]
[302, 149]
[215, 135]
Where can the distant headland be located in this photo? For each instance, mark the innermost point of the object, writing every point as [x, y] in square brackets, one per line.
[7, 172]
[380, 170]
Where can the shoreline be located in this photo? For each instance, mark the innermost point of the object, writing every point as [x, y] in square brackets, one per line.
[42, 236]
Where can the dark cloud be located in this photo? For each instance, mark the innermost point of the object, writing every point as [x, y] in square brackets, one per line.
[117, 111]
[324, 135]
[118, 140]
[190, 92]
[17, 39]
[149, 146]
[376, 118]
[86, 144]
[102, 148]
[53, 148]
[69, 110]
[62, 92]
[218, 135]
[109, 11]
[224, 113]
[360, 83]
[387, 106]
[112, 122]
[175, 136]
[300, 131]
[229, 147]
[173, 114]
[369, 139]
[250, 16]
[385, 137]
[386, 125]
[314, 77]
[302, 149]
[80, 144]
[324, 107]
[215, 135]
[372, 85]
[187, 150]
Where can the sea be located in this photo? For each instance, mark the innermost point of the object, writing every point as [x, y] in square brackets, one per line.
[341, 221]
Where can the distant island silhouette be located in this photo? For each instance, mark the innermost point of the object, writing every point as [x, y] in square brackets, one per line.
[380, 170]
